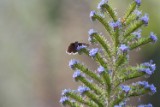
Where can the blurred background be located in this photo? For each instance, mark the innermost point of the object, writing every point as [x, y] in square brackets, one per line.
[34, 36]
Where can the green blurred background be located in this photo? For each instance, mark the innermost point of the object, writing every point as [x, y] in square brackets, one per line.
[34, 35]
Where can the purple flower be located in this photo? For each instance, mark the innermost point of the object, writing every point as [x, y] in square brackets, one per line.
[123, 48]
[143, 83]
[65, 91]
[93, 52]
[137, 34]
[101, 4]
[125, 88]
[153, 89]
[91, 32]
[137, 12]
[83, 89]
[100, 69]
[149, 105]
[72, 62]
[81, 47]
[63, 100]
[153, 37]
[92, 14]
[148, 67]
[117, 106]
[116, 24]
[148, 71]
[138, 2]
[122, 104]
[76, 74]
[145, 19]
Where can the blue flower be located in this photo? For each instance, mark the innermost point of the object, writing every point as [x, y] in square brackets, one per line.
[101, 4]
[63, 100]
[116, 24]
[137, 12]
[123, 48]
[100, 69]
[145, 19]
[117, 106]
[77, 73]
[149, 67]
[72, 62]
[93, 52]
[92, 32]
[148, 71]
[149, 105]
[143, 83]
[122, 104]
[92, 14]
[153, 89]
[137, 34]
[153, 37]
[138, 2]
[125, 88]
[65, 91]
[83, 89]
[81, 47]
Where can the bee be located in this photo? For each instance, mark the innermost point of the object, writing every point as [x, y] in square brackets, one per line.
[72, 48]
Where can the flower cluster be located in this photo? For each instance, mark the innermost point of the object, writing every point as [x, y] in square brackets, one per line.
[107, 86]
[148, 67]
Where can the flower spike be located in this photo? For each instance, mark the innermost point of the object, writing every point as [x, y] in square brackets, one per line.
[109, 84]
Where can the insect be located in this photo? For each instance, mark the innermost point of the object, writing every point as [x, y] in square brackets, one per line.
[72, 48]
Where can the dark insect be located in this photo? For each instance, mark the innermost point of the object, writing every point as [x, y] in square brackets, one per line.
[72, 48]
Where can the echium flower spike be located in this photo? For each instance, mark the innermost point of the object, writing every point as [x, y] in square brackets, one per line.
[101, 70]
[85, 91]
[134, 16]
[78, 76]
[101, 19]
[93, 35]
[131, 8]
[103, 5]
[108, 86]
[142, 41]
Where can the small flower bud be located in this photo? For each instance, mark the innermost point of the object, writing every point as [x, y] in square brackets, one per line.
[137, 34]
[153, 37]
[137, 12]
[125, 88]
[116, 24]
[77, 74]
[138, 2]
[92, 14]
[65, 91]
[100, 69]
[83, 89]
[63, 100]
[123, 48]
[149, 105]
[101, 4]
[72, 62]
[145, 19]
[93, 52]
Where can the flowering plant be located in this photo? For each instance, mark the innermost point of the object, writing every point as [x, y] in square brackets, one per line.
[107, 86]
